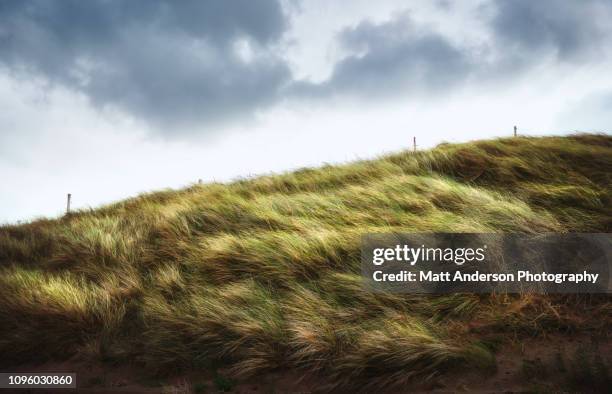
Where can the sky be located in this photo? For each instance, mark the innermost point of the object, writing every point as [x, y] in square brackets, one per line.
[106, 99]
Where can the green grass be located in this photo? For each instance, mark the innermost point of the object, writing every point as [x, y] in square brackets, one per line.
[263, 273]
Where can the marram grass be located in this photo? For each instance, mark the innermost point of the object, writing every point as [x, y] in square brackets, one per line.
[262, 274]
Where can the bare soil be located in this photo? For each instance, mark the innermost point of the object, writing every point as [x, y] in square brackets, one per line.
[522, 366]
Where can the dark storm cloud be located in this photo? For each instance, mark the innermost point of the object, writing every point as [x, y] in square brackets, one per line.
[171, 63]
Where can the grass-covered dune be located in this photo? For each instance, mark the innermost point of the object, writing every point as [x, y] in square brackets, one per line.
[264, 273]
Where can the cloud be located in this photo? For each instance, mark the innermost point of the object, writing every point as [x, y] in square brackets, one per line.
[401, 57]
[571, 30]
[197, 63]
[393, 57]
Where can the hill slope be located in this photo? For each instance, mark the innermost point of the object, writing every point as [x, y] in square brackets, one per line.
[264, 273]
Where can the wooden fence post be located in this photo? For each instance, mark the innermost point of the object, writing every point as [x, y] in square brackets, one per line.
[68, 203]
[414, 145]
[515, 129]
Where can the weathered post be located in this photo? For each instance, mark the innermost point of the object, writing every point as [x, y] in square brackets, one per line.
[414, 146]
[515, 129]
[68, 203]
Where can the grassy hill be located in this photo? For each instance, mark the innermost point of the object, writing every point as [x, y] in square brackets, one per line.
[264, 273]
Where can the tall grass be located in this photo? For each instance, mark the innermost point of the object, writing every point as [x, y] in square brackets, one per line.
[263, 273]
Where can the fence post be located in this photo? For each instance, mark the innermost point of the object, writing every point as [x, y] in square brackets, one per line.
[515, 129]
[414, 145]
[68, 203]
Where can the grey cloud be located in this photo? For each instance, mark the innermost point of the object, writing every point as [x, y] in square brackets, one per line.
[186, 64]
[395, 57]
[399, 57]
[572, 30]
[170, 63]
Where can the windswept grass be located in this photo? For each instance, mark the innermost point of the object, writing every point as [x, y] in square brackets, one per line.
[263, 273]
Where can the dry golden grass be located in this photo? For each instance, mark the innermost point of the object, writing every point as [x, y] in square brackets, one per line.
[263, 273]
